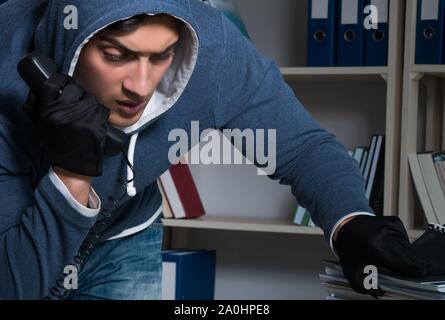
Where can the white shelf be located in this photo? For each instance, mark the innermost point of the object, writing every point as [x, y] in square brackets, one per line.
[255, 225]
[432, 70]
[334, 73]
[241, 224]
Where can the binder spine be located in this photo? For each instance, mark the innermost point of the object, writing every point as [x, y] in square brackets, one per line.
[350, 37]
[322, 23]
[376, 40]
[430, 31]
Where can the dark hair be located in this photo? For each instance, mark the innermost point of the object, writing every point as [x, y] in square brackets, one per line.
[131, 24]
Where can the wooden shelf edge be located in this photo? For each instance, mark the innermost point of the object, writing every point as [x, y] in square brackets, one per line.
[333, 73]
[433, 70]
[239, 224]
[253, 225]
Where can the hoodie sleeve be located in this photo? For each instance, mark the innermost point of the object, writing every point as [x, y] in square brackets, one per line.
[40, 230]
[317, 167]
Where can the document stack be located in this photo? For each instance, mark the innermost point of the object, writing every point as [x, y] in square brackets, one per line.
[430, 246]
[394, 287]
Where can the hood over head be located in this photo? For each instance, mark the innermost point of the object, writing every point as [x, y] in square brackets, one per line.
[93, 16]
[65, 45]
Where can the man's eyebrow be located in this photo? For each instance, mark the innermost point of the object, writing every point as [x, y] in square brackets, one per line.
[122, 47]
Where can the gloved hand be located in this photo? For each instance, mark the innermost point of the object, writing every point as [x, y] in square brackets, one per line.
[382, 242]
[73, 124]
[431, 244]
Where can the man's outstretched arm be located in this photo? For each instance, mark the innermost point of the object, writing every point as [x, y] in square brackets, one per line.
[322, 176]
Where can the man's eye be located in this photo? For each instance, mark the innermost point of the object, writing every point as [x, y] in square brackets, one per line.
[162, 57]
[115, 57]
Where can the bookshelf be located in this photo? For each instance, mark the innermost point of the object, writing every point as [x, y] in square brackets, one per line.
[241, 225]
[422, 118]
[387, 80]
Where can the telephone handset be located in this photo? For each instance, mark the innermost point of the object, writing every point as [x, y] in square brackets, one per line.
[36, 67]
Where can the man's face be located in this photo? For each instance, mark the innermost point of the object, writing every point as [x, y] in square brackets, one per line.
[124, 69]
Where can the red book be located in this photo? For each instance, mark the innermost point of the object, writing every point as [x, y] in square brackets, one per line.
[181, 193]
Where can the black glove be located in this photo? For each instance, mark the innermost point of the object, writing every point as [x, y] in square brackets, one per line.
[381, 242]
[73, 124]
[431, 245]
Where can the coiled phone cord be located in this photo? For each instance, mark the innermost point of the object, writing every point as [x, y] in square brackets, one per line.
[105, 219]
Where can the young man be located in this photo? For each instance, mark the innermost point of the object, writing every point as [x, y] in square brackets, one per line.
[153, 66]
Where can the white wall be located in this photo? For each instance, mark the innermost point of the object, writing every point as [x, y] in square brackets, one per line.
[278, 29]
[260, 266]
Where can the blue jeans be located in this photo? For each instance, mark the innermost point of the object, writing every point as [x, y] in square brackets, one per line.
[128, 268]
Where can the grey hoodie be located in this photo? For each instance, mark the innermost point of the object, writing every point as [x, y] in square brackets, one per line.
[218, 79]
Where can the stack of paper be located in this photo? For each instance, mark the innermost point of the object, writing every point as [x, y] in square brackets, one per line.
[394, 287]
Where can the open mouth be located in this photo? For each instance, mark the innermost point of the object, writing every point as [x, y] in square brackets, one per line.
[130, 108]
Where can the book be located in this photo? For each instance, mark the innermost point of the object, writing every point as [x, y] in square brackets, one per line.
[306, 218]
[377, 164]
[439, 163]
[371, 160]
[358, 154]
[375, 179]
[420, 186]
[299, 214]
[166, 209]
[180, 195]
[370, 157]
[302, 217]
[363, 161]
[432, 184]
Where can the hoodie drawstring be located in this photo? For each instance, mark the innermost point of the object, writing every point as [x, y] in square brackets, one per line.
[131, 190]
